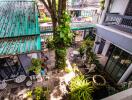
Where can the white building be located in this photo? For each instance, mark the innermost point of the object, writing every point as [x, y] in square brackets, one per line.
[114, 39]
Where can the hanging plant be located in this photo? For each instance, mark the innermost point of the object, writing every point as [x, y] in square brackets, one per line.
[62, 40]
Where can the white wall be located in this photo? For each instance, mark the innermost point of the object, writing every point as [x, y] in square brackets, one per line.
[119, 6]
[124, 95]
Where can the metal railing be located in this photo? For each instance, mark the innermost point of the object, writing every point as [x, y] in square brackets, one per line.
[121, 22]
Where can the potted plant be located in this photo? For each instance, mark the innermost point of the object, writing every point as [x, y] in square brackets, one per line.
[98, 81]
[35, 68]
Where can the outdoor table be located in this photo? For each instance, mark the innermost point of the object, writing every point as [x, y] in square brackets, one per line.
[76, 52]
[3, 85]
[20, 78]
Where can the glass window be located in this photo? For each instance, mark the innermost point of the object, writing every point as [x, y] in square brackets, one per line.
[118, 63]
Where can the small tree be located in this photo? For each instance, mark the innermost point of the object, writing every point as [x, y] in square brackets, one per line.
[62, 36]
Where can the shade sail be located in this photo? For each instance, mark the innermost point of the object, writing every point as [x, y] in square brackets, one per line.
[12, 46]
[18, 18]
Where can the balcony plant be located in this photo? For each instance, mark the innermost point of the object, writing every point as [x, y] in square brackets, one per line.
[80, 89]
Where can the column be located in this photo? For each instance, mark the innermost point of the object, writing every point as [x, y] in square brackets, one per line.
[106, 47]
[96, 46]
[106, 5]
[126, 74]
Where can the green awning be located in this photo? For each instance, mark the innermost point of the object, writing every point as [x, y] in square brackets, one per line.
[74, 26]
[18, 18]
[12, 46]
[19, 27]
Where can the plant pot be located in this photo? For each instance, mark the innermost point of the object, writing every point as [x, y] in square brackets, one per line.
[98, 81]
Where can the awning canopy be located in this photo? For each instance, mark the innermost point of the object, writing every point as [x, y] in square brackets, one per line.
[18, 18]
[13, 46]
[47, 28]
[19, 27]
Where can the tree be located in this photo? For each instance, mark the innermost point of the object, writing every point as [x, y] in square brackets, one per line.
[62, 36]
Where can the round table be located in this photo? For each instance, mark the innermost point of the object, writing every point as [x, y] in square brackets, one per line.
[20, 78]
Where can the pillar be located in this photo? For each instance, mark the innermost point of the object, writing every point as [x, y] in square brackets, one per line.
[106, 47]
[126, 74]
[96, 46]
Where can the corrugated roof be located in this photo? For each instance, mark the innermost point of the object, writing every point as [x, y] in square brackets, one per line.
[19, 29]
[18, 18]
[13, 46]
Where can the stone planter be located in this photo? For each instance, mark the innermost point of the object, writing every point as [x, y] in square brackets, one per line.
[98, 81]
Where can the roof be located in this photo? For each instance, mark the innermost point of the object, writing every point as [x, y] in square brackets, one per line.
[19, 29]
[13, 46]
[47, 28]
[18, 18]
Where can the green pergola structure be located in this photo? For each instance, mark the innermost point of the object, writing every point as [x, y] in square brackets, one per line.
[19, 27]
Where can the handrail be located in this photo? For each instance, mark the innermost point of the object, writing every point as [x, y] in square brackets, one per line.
[121, 22]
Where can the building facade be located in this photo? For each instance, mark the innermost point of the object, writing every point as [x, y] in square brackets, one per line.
[114, 39]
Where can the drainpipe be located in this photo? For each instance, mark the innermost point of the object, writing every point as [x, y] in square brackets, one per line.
[126, 74]
[106, 6]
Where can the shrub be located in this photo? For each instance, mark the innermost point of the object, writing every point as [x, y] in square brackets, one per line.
[80, 88]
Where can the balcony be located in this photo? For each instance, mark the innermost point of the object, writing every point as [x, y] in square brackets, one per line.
[121, 22]
[118, 30]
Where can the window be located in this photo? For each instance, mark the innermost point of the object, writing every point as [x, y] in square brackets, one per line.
[118, 63]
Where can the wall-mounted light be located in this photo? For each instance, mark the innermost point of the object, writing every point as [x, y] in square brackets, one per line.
[97, 42]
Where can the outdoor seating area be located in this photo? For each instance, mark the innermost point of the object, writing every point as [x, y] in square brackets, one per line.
[50, 51]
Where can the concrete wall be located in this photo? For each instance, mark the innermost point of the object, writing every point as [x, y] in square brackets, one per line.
[124, 95]
[119, 6]
[119, 38]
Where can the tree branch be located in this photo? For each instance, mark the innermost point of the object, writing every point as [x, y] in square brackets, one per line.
[54, 8]
[46, 5]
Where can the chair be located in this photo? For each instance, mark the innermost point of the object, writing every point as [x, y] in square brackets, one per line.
[3, 85]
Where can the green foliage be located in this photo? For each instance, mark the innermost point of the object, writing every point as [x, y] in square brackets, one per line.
[29, 93]
[36, 65]
[60, 58]
[64, 36]
[62, 40]
[67, 70]
[86, 47]
[46, 19]
[80, 88]
[39, 93]
[50, 43]
[102, 4]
